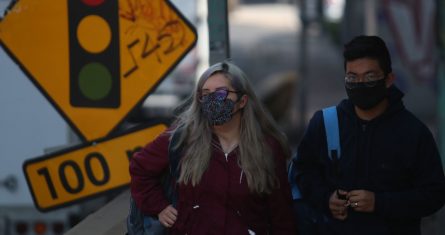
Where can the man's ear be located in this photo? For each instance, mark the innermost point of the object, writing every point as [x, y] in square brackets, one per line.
[390, 79]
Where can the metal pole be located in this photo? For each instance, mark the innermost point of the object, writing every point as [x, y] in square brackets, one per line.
[441, 82]
[370, 17]
[302, 66]
[218, 23]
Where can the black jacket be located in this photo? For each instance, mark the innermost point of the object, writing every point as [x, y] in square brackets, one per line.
[393, 155]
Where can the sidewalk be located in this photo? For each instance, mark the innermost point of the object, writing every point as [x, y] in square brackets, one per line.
[265, 50]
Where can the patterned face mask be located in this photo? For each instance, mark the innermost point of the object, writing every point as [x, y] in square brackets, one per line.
[217, 109]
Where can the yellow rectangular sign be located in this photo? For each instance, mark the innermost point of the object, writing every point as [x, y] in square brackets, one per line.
[63, 178]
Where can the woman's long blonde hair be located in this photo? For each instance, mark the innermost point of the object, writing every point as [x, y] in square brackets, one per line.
[255, 157]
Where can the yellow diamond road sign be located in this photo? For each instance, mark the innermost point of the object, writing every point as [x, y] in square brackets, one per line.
[96, 59]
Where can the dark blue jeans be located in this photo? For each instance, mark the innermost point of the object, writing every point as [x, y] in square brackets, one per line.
[309, 220]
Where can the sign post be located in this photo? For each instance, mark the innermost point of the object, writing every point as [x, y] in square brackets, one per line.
[218, 31]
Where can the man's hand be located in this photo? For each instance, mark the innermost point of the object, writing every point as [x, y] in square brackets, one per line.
[167, 217]
[338, 206]
[361, 200]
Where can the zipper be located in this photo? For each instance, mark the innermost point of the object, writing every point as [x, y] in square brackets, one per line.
[364, 126]
[241, 176]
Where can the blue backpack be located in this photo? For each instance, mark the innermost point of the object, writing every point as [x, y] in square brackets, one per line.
[310, 221]
[140, 224]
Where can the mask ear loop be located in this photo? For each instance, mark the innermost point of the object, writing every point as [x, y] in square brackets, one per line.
[238, 97]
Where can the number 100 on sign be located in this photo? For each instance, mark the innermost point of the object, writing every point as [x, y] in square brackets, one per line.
[64, 178]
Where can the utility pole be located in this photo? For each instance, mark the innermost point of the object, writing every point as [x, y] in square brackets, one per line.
[441, 83]
[302, 65]
[217, 18]
[371, 26]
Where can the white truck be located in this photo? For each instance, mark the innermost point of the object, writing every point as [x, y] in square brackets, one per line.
[29, 125]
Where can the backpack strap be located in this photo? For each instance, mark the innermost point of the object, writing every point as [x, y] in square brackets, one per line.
[291, 175]
[332, 132]
[174, 156]
[333, 143]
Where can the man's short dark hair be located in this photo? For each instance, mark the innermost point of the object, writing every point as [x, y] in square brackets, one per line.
[372, 47]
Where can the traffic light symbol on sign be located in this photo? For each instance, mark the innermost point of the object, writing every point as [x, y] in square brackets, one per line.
[94, 53]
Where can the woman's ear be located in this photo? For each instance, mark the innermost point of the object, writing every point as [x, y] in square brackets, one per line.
[243, 101]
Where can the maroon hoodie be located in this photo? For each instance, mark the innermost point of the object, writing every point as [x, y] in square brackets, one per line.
[221, 203]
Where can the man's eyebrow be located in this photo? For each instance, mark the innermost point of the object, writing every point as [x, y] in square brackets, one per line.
[366, 72]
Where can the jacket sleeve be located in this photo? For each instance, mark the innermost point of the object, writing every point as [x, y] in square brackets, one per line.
[427, 193]
[146, 169]
[280, 200]
[311, 164]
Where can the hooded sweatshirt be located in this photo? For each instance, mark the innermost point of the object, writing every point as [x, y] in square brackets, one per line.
[394, 155]
[221, 203]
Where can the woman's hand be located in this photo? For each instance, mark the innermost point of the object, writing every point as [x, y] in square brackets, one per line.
[167, 217]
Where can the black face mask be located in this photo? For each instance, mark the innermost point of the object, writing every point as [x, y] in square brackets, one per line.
[367, 95]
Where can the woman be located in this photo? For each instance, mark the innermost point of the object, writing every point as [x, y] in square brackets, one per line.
[232, 176]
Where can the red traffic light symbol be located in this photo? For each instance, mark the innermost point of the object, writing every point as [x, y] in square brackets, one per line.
[93, 3]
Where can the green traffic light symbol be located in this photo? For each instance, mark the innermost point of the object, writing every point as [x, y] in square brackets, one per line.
[94, 53]
[95, 81]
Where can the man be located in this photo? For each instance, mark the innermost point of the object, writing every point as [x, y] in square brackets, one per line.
[389, 174]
